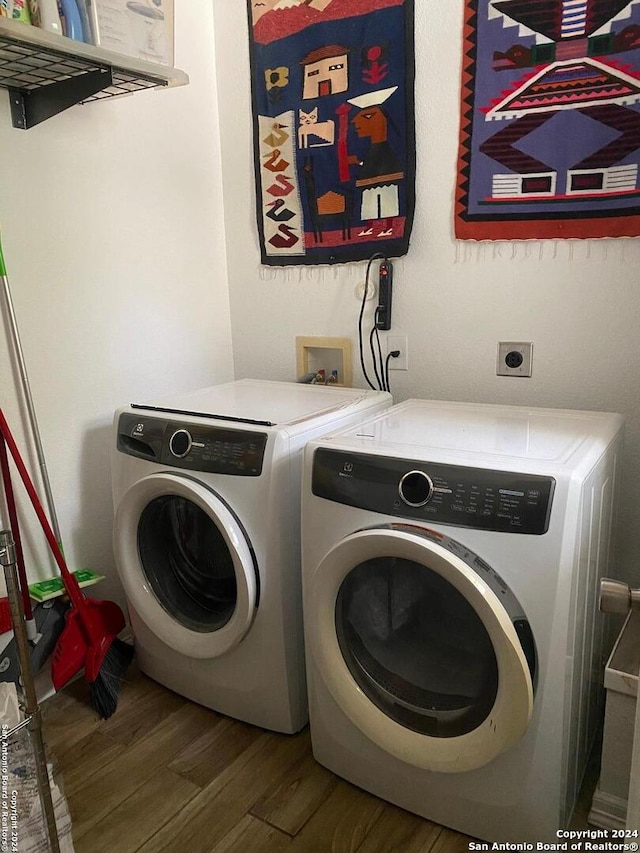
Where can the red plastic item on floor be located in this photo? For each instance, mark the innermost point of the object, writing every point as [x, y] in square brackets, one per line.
[91, 626]
[5, 616]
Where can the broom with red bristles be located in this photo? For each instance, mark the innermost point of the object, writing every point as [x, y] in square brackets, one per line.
[89, 639]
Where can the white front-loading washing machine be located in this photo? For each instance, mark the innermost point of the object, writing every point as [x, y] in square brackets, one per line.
[451, 562]
[206, 489]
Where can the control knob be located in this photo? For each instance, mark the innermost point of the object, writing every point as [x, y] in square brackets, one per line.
[180, 443]
[416, 488]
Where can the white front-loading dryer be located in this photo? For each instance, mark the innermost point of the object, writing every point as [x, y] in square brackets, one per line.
[206, 489]
[451, 561]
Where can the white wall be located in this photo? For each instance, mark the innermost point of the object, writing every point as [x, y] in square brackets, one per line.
[579, 302]
[113, 234]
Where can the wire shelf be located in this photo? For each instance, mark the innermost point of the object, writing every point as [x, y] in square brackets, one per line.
[25, 66]
[32, 61]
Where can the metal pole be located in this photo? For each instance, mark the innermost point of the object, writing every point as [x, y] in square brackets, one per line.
[32, 709]
[28, 398]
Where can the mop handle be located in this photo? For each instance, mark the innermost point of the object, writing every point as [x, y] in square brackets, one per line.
[70, 582]
[13, 521]
[28, 397]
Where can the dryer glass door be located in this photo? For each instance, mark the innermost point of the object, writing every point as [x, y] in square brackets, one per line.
[422, 646]
[416, 647]
[186, 563]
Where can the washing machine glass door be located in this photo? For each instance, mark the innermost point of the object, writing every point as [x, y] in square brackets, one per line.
[186, 564]
[422, 646]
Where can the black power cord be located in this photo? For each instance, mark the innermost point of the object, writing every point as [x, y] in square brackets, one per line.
[374, 257]
[395, 353]
[379, 375]
[374, 331]
[382, 372]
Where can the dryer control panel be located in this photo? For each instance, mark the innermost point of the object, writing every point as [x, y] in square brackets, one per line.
[502, 501]
[192, 447]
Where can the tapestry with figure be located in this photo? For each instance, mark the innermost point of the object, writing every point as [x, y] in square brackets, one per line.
[334, 141]
[550, 120]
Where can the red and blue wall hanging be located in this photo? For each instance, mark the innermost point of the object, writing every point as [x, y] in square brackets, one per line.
[334, 141]
[550, 123]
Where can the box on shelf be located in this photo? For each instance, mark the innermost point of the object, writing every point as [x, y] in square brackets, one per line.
[139, 28]
[17, 10]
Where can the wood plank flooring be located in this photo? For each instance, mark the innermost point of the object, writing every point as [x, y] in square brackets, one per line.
[164, 774]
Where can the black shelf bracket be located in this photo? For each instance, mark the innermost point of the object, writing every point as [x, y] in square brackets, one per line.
[29, 107]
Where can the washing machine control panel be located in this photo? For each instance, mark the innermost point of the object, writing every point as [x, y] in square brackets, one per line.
[503, 501]
[193, 447]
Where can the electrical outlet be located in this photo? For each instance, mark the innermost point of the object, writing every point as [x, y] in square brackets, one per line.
[515, 358]
[400, 342]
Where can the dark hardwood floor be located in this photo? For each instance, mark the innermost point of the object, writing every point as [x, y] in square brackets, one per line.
[164, 774]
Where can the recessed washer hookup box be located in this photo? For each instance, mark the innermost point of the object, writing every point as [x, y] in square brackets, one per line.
[142, 29]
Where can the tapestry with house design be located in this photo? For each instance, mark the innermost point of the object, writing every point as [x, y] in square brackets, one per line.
[550, 126]
[334, 139]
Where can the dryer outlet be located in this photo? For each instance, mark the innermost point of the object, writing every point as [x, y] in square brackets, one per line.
[515, 358]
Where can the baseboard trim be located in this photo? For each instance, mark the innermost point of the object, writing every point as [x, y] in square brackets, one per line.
[607, 811]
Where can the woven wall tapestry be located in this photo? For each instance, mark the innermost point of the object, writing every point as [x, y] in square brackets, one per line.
[550, 126]
[334, 145]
